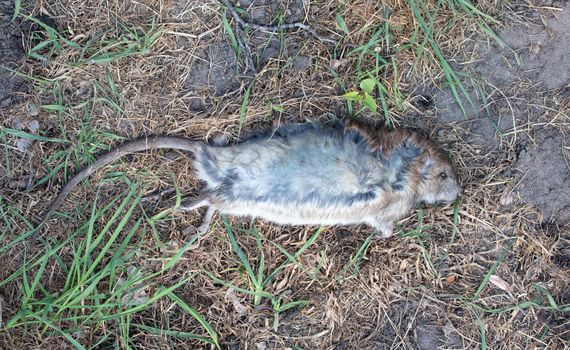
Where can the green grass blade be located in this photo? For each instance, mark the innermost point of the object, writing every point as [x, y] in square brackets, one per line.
[487, 277]
[450, 75]
[196, 315]
[242, 109]
[236, 288]
[60, 331]
[240, 253]
[341, 23]
[292, 258]
[231, 35]
[17, 9]
[549, 297]
[483, 335]
[455, 220]
[355, 261]
[293, 304]
[26, 135]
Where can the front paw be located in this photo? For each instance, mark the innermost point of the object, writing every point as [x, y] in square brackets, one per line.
[384, 230]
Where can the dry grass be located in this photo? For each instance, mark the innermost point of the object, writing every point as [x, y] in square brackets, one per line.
[468, 282]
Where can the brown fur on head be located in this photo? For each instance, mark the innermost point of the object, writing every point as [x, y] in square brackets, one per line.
[438, 181]
[432, 176]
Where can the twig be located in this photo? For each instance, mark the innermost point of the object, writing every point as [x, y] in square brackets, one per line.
[277, 28]
[31, 176]
[157, 196]
[244, 47]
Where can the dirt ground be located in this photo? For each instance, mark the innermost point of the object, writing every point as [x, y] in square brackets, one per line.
[11, 52]
[492, 272]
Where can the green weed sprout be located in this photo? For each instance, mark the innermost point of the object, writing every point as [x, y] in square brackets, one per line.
[363, 96]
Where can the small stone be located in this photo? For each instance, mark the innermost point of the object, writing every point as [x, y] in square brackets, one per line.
[33, 109]
[34, 126]
[23, 145]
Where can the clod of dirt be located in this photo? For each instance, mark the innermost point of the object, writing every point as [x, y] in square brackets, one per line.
[544, 49]
[265, 12]
[301, 63]
[433, 336]
[266, 49]
[214, 70]
[496, 64]
[546, 181]
[10, 53]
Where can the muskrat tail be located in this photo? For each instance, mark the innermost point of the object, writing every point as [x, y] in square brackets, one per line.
[129, 147]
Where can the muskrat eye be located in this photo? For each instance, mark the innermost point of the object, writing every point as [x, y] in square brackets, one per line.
[443, 175]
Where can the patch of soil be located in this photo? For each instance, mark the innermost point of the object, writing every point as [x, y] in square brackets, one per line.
[266, 12]
[214, 70]
[426, 331]
[11, 53]
[543, 49]
[545, 178]
[519, 97]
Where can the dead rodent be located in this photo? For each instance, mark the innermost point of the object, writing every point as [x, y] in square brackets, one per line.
[308, 174]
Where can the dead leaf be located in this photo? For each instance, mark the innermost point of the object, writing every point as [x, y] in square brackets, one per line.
[336, 64]
[500, 283]
[238, 306]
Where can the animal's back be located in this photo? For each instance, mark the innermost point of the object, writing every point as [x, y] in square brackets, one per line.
[318, 165]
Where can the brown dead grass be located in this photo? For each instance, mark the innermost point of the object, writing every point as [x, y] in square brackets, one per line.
[403, 285]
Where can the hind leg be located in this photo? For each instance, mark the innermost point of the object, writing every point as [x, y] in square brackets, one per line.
[188, 205]
[206, 220]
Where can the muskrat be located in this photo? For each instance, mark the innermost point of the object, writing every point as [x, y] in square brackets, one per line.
[307, 174]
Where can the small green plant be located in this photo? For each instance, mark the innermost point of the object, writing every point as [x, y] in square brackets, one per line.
[255, 278]
[86, 137]
[292, 259]
[103, 48]
[132, 42]
[49, 42]
[363, 96]
[278, 308]
[274, 108]
[478, 306]
[352, 267]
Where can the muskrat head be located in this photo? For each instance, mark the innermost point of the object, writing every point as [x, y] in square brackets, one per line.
[438, 181]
